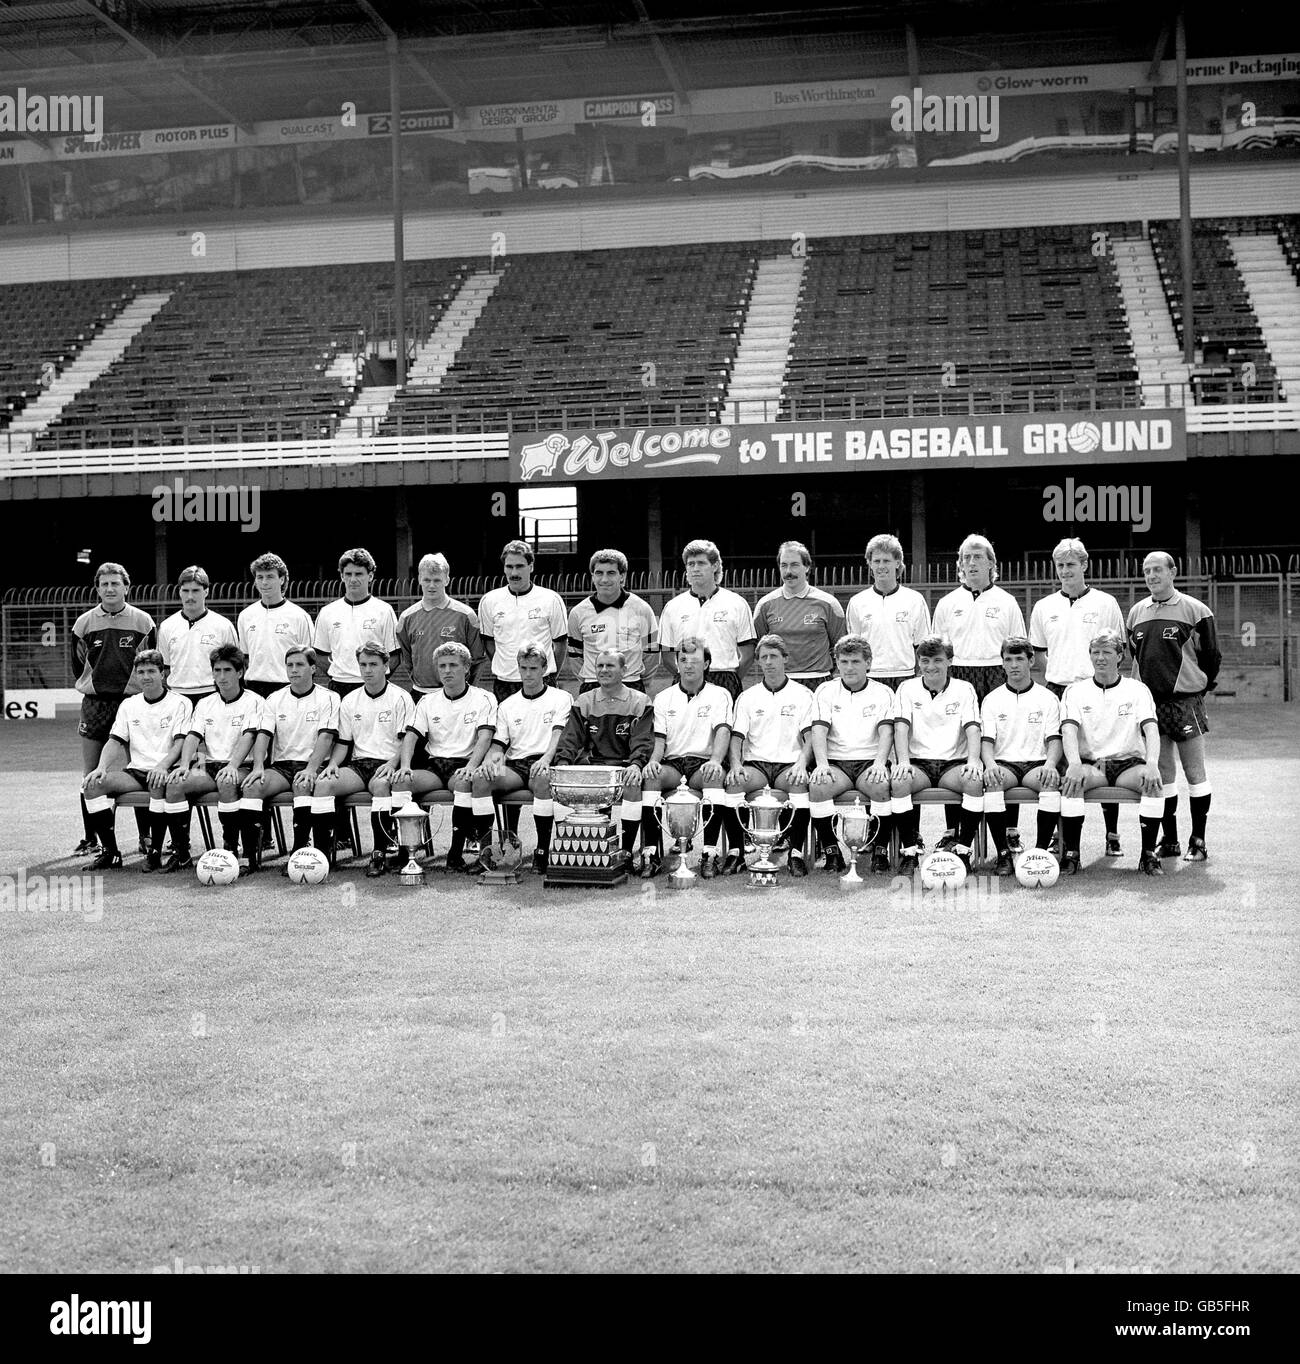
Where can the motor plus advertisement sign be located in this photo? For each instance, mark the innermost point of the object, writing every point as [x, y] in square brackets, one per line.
[1010, 440]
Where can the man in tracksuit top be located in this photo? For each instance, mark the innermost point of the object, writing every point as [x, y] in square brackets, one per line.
[612, 725]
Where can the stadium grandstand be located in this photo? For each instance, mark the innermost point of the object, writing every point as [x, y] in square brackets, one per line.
[915, 267]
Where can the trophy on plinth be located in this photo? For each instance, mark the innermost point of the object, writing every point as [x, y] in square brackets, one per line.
[765, 829]
[679, 818]
[585, 845]
[412, 831]
[857, 829]
[501, 860]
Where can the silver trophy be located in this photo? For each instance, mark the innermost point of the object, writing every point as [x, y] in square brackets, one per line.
[412, 831]
[765, 829]
[679, 818]
[857, 828]
[586, 790]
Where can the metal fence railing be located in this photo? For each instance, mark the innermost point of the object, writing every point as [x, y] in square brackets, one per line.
[1258, 614]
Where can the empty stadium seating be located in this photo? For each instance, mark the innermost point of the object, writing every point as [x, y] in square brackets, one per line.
[1010, 310]
[1221, 304]
[238, 351]
[49, 323]
[583, 329]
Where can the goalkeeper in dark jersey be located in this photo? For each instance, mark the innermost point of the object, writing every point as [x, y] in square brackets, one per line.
[105, 641]
[1176, 648]
[613, 726]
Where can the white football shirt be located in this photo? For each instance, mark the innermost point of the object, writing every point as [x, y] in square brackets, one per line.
[938, 721]
[1110, 720]
[773, 723]
[894, 625]
[852, 719]
[689, 724]
[1066, 626]
[342, 626]
[374, 725]
[220, 723]
[149, 728]
[450, 728]
[186, 645]
[267, 633]
[515, 619]
[977, 623]
[295, 722]
[723, 621]
[1020, 722]
[525, 724]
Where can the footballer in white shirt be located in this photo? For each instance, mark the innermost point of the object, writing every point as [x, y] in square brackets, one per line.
[142, 748]
[936, 743]
[270, 626]
[353, 619]
[222, 731]
[852, 736]
[529, 725]
[771, 746]
[300, 726]
[521, 613]
[1111, 737]
[187, 638]
[443, 750]
[372, 720]
[1020, 727]
[892, 618]
[692, 727]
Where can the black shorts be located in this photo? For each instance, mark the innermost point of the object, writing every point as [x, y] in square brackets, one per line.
[263, 688]
[97, 716]
[365, 768]
[1021, 770]
[591, 686]
[288, 770]
[984, 677]
[194, 697]
[769, 770]
[729, 681]
[444, 768]
[1182, 717]
[1057, 689]
[853, 768]
[343, 688]
[893, 683]
[140, 775]
[688, 766]
[935, 768]
[1114, 768]
[813, 682]
[212, 766]
[521, 767]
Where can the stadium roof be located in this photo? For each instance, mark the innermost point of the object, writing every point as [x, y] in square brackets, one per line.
[173, 62]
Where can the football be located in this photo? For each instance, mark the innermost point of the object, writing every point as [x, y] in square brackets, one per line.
[942, 870]
[1036, 867]
[308, 867]
[217, 867]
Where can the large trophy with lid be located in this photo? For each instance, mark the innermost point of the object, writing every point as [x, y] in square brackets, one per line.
[679, 817]
[585, 847]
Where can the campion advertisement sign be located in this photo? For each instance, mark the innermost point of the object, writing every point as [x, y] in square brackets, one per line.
[1005, 441]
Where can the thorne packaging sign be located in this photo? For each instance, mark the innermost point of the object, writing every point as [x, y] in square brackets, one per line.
[1006, 441]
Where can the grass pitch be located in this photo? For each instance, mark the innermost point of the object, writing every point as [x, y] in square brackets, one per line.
[361, 1077]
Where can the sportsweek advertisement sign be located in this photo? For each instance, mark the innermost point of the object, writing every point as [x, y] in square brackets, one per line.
[1006, 441]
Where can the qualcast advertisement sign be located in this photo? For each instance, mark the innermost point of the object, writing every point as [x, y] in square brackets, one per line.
[1007, 441]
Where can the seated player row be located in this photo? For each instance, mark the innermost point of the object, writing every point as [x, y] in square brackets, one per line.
[851, 734]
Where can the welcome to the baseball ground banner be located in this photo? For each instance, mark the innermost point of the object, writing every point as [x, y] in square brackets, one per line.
[1010, 440]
